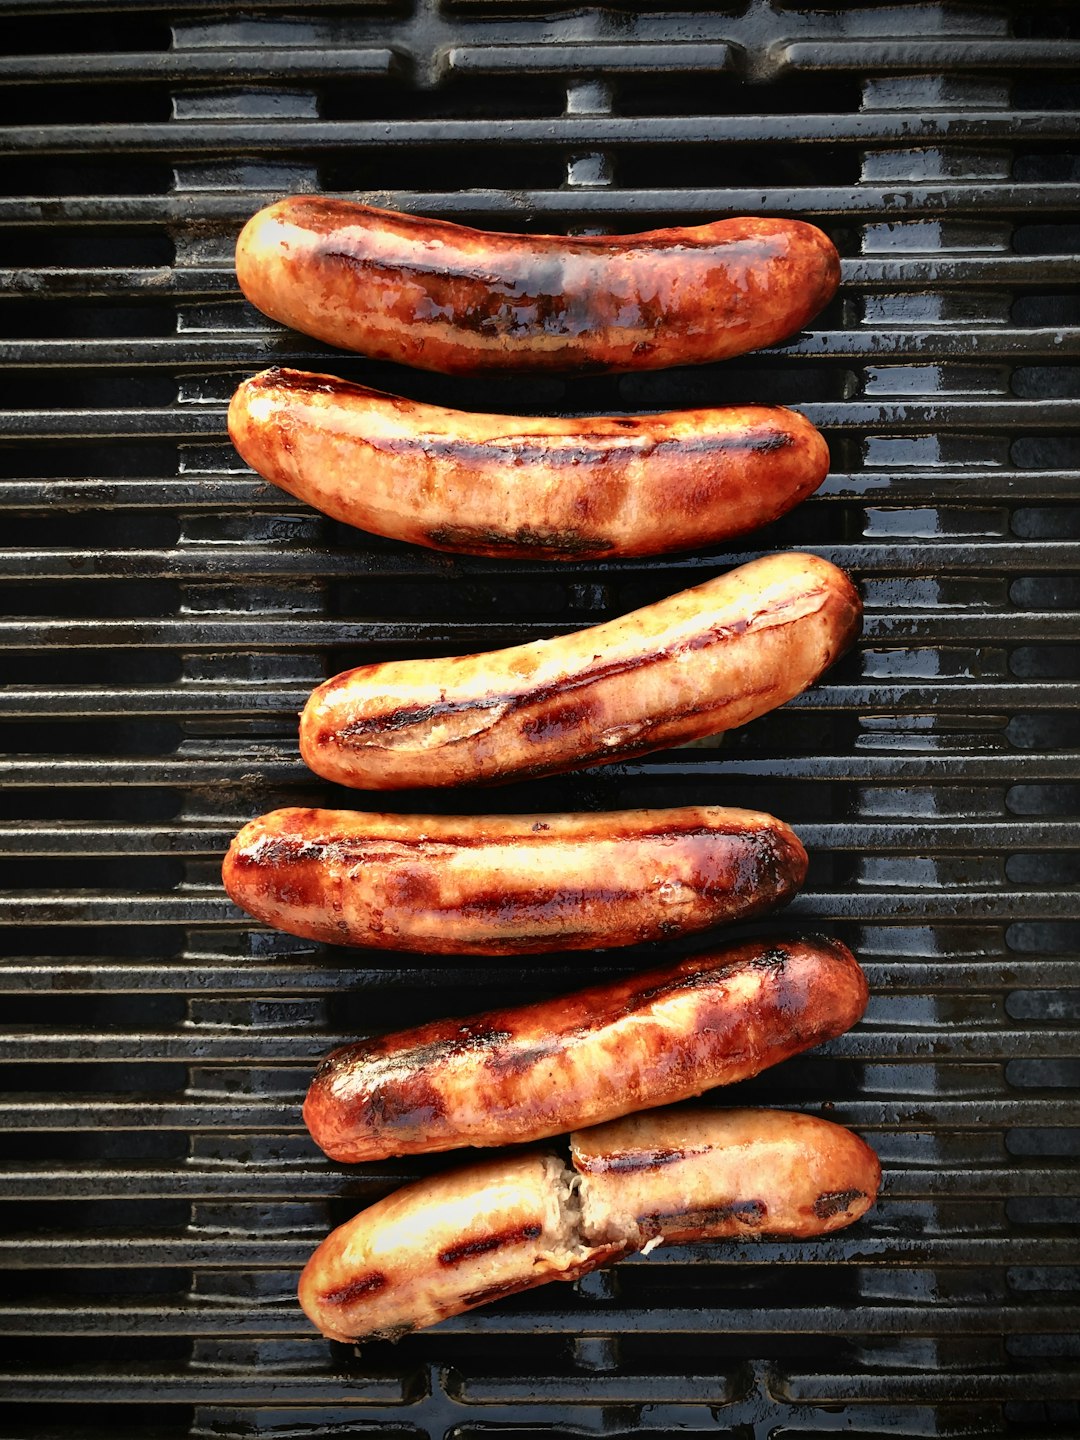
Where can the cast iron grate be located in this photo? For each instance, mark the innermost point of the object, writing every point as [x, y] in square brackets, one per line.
[166, 615]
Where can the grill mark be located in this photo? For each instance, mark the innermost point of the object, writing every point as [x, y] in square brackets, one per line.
[775, 959]
[835, 1202]
[406, 717]
[322, 215]
[516, 1059]
[774, 857]
[305, 382]
[744, 1212]
[529, 296]
[356, 1289]
[485, 1244]
[558, 720]
[382, 1055]
[624, 1162]
[508, 702]
[535, 942]
[681, 984]
[551, 543]
[405, 1101]
[699, 975]
[586, 447]
[704, 978]
[270, 851]
[528, 447]
[553, 902]
[641, 743]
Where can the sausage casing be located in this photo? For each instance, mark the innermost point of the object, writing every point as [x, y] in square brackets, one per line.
[524, 486]
[524, 1074]
[510, 884]
[446, 297]
[702, 661]
[445, 1244]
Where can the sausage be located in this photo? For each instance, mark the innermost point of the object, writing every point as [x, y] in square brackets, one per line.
[523, 486]
[701, 661]
[510, 884]
[445, 297]
[686, 1174]
[445, 1244]
[512, 1076]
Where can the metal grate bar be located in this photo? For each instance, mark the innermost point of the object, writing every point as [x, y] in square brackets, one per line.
[925, 626]
[200, 908]
[264, 699]
[214, 493]
[62, 1251]
[298, 1183]
[927, 555]
[268, 766]
[232, 974]
[207, 137]
[871, 273]
[233, 65]
[148, 1319]
[211, 839]
[837, 203]
[195, 352]
[198, 1045]
[25, 1112]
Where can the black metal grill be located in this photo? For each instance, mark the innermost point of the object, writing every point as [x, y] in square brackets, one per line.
[167, 614]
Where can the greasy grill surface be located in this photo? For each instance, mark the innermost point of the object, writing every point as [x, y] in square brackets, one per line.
[167, 615]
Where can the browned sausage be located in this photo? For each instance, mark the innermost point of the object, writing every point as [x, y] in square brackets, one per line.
[510, 884]
[702, 661]
[451, 1242]
[446, 297]
[523, 486]
[688, 1174]
[525, 1074]
[447, 1244]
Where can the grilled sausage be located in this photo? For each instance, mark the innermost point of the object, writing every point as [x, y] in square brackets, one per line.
[510, 884]
[521, 486]
[446, 1244]
[446, 297]
[525, 1074]
[702, 661]
[686, 1174]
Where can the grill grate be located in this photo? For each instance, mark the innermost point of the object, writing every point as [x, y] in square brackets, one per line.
[167, 615]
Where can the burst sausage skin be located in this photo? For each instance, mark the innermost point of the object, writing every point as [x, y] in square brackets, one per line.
[510, 884]
[523, 486]
[445, 297]
[525, 1074]
[702, 661]
[444, 1245]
